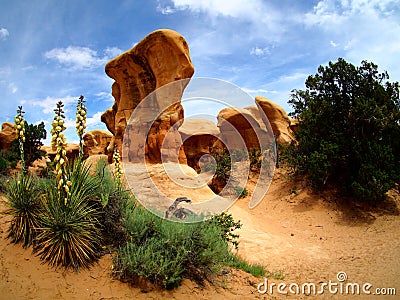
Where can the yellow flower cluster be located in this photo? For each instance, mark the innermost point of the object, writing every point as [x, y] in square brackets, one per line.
[20, 132]
[118, 169]
[59, 142]
[81, 111]
[81, 117]
[20, 124]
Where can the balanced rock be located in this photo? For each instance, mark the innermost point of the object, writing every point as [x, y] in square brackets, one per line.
[95, 142]
[160, 58]
[7, 135]
[279, 120]
[198, 136]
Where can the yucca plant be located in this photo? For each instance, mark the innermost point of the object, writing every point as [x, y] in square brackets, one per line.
[24, 207]
[69, 232]
[20, 132]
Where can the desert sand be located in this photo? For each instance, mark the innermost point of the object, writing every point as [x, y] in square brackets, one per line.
[298, 234]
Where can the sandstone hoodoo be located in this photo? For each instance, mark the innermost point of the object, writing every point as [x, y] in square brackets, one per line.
[279, 120]
[233, 122]
[96, 142]
[199, 136]
[7, 135]
[159, 59]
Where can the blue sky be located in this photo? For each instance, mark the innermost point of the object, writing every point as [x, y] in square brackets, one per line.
[56, 50]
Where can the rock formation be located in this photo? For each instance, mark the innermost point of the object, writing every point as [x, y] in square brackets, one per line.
[96, 142]
[279, 120]
[238, 126]
[160, 58]
[72, 151]
[198, 136]
[7, 135]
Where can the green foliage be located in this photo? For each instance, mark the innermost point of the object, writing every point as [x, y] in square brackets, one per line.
[114, 203]
[349, 131]
[241, 192]
[69, 232]
[24, 207]
[255, 157]
[164, 252]
[223, 164]
[34, 134]
[227, 226]
[234, 261]
[8, 160]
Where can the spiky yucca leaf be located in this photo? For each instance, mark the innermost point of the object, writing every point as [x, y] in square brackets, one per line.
[68, 235]
[24, 207]
[84, 186]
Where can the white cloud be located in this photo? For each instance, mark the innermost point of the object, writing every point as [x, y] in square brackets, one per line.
[333, 44]
[78, 58]
[361, 29]
[9, 86]
[226, 8]
[95, 120]
[49, 103]
[13, 88]
[257, 51]
[258, 91]
[105, 96]
[260, 17]
[111, 52]
[166, 10]
[75, 57]
[4, 34]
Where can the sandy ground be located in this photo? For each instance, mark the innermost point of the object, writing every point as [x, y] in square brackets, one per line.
[300, 236]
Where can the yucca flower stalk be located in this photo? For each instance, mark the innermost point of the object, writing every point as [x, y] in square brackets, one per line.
[20, 132]
[118, 169]
[58, 143]
[81, 111]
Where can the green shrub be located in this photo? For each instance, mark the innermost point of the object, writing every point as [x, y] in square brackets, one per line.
[8, 161]
[34, 134]
[164, 252]
[223, 164]
[115, 202]
[227, 226]
[234, 261]
[349, 132]
[241, 192]
[24, 207]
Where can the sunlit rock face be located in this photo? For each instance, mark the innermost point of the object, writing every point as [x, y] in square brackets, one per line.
[96, 142]
[280, 122]
[160, 58]
[7, 135]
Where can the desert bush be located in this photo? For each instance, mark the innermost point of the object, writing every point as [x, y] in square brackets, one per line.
[236, 262]
[115, 202]
[241, 192]
[349, 132]
[223, 164]
[8, 160]
[227, 226]
[34, 134]
[165, 252]
[24, 207]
